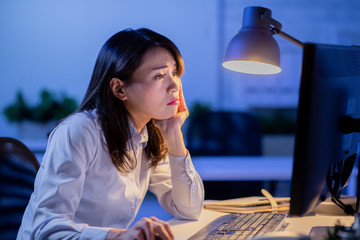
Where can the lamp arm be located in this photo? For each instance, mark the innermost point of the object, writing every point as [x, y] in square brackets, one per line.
[275, 28]
[291, 39]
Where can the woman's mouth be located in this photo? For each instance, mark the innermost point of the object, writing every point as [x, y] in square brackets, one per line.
[176, 101]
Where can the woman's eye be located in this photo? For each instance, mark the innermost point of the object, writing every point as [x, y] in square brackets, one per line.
[175, 74]
[160, 76]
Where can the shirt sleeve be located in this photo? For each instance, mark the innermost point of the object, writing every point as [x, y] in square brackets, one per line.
[60, 181]
[178, 187]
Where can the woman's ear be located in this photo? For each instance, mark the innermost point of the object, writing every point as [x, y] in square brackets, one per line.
[118, 88]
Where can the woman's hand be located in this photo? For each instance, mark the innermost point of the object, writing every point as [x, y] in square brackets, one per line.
[146, 229]
[171, 128]
[177, 120]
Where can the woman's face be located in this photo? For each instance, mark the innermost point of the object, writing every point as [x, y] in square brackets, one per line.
[153, 90]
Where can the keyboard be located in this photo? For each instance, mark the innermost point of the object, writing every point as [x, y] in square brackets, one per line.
[241, 226]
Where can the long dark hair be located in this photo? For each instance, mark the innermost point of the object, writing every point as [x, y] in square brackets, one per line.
[119, 57]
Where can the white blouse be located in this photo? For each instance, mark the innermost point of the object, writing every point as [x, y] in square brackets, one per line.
[79, 194]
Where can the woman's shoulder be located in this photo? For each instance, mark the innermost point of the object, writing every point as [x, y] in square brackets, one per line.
[80, 123]
[77, 134]
[83, 118]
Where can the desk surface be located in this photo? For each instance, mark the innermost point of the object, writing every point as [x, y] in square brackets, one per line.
[223, 168]
[248, 168]
[184, 229]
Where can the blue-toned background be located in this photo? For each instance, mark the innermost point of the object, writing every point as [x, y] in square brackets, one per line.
[54, 44]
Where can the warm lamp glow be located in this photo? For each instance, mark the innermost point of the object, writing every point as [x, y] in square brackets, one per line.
[251, 67]
[253, 49]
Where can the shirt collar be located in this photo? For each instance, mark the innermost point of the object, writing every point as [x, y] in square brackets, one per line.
[137, 137]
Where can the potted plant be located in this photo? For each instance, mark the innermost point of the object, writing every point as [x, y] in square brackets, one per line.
[36, 121]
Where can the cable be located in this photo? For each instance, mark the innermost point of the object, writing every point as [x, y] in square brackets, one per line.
[333, 179]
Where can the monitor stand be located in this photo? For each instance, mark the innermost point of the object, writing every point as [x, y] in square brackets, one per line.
[328, 207]
[339, 232]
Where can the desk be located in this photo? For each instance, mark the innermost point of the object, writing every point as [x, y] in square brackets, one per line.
[243, 168]
[184, 229]
[257, 168]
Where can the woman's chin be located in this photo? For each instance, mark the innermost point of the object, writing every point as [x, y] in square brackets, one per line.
[166, 116]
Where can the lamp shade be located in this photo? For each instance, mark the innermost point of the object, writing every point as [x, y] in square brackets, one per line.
[254, 50]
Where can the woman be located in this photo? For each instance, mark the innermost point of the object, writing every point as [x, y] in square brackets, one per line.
[124, 139]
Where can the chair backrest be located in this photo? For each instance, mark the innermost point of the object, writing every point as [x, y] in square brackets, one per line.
[18, 168]
[224, 134]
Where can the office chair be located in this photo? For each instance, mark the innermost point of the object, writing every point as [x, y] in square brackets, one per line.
[18, 167]
[225, 134]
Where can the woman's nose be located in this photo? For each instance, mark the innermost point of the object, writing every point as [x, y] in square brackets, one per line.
[174, 84]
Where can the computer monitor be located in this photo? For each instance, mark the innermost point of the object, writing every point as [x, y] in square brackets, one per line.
[329, 91]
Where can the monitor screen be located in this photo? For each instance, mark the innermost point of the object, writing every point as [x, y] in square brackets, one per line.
[329, 91]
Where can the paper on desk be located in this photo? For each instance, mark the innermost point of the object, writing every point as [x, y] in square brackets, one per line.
[248, 205]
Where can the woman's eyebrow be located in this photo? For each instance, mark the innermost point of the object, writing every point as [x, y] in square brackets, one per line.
[159, 67]
[162, 66]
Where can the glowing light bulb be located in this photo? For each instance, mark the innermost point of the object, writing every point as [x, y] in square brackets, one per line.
[251, 67]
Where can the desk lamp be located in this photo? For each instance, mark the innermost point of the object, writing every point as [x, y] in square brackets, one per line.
[254, 50]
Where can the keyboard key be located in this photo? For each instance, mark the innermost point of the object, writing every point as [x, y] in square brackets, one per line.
[240, 226]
